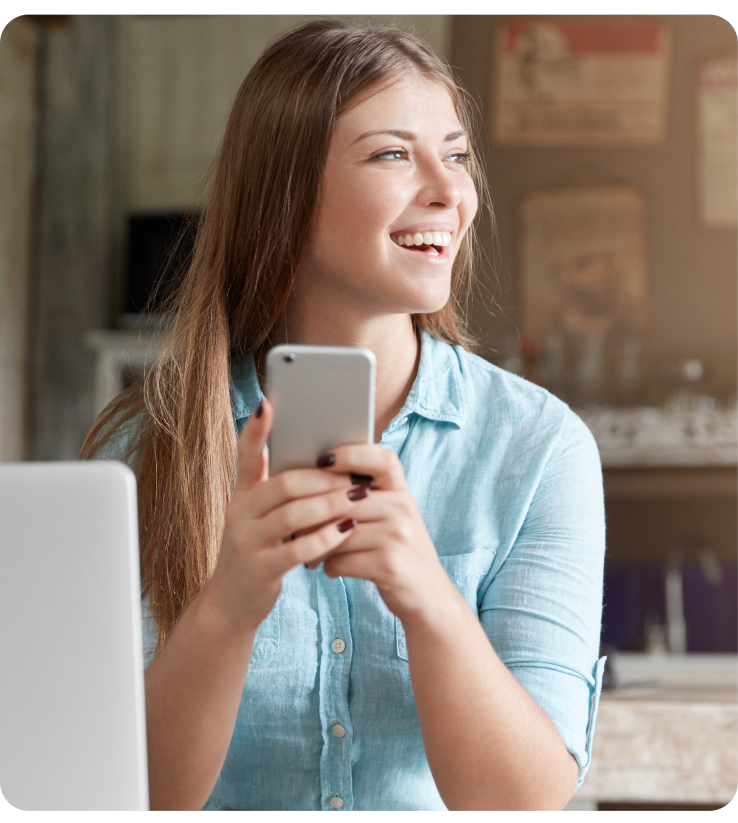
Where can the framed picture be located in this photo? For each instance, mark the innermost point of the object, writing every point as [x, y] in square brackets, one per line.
[583, 261]
[717, 141]
[583, 82]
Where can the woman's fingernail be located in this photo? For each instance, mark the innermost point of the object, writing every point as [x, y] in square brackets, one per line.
[346, 525]
[326, 460]
[259, 409]
[362, 479]
[357, 493]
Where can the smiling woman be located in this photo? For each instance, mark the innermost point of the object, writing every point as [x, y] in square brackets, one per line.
[425, 641]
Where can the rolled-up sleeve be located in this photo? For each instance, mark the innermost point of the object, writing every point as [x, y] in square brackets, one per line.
[149, 632]
[542, 609]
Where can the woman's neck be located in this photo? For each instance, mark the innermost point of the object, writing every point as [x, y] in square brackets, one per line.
[391, 338]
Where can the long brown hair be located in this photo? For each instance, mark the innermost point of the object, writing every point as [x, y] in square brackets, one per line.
[257, 220]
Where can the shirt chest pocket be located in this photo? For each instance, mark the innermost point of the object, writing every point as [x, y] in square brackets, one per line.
[467, 571]
[266, 640]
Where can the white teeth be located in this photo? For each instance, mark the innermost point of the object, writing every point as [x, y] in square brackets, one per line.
[432, 251]
[436, 238]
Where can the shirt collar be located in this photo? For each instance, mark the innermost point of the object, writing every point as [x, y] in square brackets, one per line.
[438, 392]
[245, 389]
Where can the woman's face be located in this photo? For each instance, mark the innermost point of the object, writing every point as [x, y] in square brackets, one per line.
[396, 173]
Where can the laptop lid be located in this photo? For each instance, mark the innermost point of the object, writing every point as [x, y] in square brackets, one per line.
[72, 717]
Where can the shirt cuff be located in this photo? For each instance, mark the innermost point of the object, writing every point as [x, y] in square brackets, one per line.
[583, 761]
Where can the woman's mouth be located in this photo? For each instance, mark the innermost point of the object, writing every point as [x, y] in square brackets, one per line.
[430, 242]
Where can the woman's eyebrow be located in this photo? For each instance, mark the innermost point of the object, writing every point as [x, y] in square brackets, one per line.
[407, 135]
[401, 135]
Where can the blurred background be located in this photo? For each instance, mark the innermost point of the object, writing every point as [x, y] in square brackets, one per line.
[610, 146]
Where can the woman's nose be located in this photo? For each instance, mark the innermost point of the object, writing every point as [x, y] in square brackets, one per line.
[440, 187]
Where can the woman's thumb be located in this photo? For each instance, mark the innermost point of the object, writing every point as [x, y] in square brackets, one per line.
[252, 462]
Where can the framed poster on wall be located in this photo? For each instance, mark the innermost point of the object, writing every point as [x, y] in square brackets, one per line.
[581, 81]
[717, 141]
[583, 261]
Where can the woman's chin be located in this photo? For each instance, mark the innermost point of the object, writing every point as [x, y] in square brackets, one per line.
[425, 296]
[432, 302]
[417, 304]
[405, 297]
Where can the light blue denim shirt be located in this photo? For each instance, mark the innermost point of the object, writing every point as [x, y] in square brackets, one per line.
[509, 484]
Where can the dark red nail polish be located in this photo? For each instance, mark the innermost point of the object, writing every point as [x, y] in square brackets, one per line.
[346, 525]
[326, 460]
[259, 408]
[362, 480]
[357, 493]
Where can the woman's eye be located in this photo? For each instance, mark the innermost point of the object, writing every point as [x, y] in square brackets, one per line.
[391, 154]
[461, 157]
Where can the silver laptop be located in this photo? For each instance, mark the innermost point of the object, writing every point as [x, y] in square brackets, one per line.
[72, 719]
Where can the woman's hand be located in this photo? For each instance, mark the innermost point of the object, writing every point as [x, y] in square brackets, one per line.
[258, 547]
[390, 545]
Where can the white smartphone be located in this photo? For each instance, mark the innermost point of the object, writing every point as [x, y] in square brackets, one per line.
[323, 397]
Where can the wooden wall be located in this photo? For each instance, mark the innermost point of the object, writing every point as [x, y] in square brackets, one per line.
[18, 47]
[75, 228]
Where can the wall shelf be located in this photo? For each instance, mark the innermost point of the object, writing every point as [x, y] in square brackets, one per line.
[650, 437]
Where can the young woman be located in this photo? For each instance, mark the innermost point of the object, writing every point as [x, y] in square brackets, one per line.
[430, 640]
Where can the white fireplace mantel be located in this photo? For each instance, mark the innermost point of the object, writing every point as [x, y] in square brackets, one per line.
[116, 351]
[653, 437]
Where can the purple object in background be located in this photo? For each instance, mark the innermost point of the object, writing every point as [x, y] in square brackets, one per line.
[633, 593]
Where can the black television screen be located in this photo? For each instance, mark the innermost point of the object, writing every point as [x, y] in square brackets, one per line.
[154, 258]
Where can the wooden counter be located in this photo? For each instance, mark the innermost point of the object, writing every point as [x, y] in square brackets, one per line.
[667, 736]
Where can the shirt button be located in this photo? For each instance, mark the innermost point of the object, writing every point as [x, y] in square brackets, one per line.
[338, 645]
[336, 802]
[338, 730]
[402, 422]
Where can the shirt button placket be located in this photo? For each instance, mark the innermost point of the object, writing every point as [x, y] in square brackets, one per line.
[338, 730]
[335, 665]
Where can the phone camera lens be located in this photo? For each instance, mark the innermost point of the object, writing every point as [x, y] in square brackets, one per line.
[288, 358]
